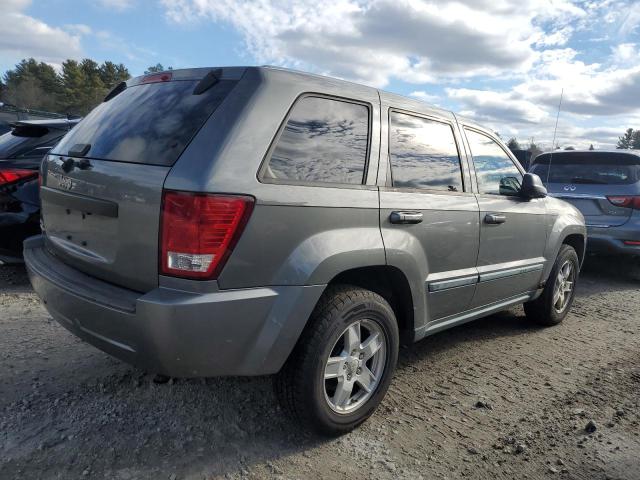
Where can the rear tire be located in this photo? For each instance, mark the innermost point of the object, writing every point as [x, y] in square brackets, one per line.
[342, 366]
[556, 299]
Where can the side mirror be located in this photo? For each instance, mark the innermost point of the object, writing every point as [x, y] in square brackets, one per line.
[532, 186]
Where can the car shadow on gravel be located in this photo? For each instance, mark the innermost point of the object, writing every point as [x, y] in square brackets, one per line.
[14, 278]
[621, 270]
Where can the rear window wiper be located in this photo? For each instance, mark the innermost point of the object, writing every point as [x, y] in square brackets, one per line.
[119, 88]
[208, 81]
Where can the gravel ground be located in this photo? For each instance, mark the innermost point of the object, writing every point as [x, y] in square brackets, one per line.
[498, 398]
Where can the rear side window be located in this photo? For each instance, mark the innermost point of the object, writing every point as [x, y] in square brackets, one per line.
[495, 171]
[423, 154]
[150, 123]
[591, 168]
[323, 141]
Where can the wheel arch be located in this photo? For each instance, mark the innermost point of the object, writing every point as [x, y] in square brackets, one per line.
[578, 242]
[390, 283]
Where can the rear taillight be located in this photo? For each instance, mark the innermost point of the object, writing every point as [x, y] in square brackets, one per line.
[199, 231]
[14, 175]
[628, 201]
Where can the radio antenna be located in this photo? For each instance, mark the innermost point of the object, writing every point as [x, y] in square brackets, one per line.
[555, 131]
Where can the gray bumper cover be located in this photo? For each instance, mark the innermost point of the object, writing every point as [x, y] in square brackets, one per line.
[175, 332]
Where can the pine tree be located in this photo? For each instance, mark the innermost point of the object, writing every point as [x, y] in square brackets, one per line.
[73, 87]
[626, 141]
[112, 74]
[513, 144]
[33, 85]
[635, 141]
[156, 68]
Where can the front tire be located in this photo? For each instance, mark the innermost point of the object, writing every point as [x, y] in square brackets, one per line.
[343, 363]
[556, 299]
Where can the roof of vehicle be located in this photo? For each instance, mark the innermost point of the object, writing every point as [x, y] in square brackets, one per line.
[622, 151]
[236, 73]
[55, 123]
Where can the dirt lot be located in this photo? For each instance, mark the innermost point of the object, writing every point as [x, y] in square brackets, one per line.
[498, 398]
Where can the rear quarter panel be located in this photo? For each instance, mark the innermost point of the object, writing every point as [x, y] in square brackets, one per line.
[297, 234]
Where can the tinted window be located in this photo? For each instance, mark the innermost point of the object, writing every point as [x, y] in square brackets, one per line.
[23, 141]
[423, 154]
[595, 168]
[149, 123]
[324, 141]
[495, 172]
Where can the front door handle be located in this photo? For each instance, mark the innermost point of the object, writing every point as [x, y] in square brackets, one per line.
[405, 217]
[494, 218]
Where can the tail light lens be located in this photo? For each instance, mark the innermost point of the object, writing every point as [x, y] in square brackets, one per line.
[628, 201]
[13, 175]
[198, 232]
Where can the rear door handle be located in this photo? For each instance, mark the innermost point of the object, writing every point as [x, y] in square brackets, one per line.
[405, 217]
[494, 218]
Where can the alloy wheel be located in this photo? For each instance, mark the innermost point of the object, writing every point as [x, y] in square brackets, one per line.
[355, 366]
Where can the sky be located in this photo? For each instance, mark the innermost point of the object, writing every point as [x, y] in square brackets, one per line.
[502, 62]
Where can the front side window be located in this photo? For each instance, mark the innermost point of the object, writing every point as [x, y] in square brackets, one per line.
[495, 172]
[324, 141]
[423, 154]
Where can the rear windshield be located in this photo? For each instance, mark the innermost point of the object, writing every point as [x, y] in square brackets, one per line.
[598, 168]
[22, 140]
[150, 123]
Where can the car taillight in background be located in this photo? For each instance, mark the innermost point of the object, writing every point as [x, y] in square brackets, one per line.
[14, 175]
[628, 201]
[199, 231]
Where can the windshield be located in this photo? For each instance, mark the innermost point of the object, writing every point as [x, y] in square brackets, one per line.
[149, 123]
[594, 168]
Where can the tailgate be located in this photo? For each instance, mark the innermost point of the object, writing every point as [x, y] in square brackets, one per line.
[598, 211]
[102, 184]
[104, 219]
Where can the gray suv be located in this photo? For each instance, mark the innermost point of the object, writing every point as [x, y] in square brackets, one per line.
[253, 221]
[605, 187]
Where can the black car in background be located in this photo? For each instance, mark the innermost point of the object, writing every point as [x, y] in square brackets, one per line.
[21, 151]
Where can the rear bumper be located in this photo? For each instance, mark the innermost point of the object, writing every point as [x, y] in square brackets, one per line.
[175, 332]
[610, 241]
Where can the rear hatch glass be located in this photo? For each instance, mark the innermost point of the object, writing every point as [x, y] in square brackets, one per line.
[101, 210]
[148, 123]
[586, 179]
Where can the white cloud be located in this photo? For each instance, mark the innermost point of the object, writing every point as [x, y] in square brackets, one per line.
[78, 28]
[374, 41]
[425, 97]
[631, 21]
[497, 106]
[117, 5]
[24, 36]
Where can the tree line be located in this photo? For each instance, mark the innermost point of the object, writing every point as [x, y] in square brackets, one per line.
[629, 140]
[74, 90]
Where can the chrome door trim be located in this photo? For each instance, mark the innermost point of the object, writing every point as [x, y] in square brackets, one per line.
[510, 272]
[456, 282]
